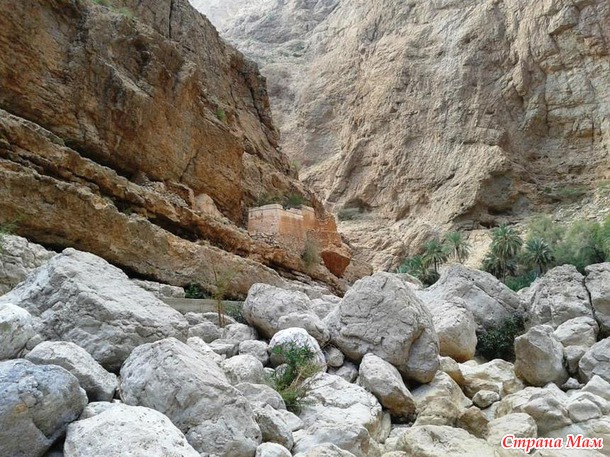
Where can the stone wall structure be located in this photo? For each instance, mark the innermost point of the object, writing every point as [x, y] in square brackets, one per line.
[293, 226]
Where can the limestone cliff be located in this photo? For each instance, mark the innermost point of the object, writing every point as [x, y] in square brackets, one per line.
[131, 130]
[427, 115]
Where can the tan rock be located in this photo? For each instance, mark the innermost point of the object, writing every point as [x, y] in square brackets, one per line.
[418, 115]
[127, 151]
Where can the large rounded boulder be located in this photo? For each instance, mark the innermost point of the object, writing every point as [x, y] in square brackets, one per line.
[382, 316]
[37, 402]
[117, 430]
[270, 309]
[81, 298]
[193, 391]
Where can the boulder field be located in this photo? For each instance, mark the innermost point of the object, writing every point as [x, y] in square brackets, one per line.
[92, 364]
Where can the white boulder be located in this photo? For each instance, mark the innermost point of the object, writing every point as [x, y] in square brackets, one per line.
[80, 297]
[119, 430]
[97, 382]
[539, 357]
[16, 329]
[37, 404]
[384, 381]
[379, 314]
[270, 309]
[557, 297]
[195, 394]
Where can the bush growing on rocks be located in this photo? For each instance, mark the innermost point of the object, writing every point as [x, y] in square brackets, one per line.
[498, 342]
[290, 379]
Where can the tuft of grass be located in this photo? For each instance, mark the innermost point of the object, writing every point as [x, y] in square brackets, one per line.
[291, 379]
[220, 114]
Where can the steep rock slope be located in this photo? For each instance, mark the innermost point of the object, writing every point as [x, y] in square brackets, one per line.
[431, 114]
[134, 132]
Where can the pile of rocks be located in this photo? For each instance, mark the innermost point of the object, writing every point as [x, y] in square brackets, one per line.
[94, 365]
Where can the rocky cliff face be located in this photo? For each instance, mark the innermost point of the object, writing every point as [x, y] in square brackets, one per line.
[430, 114]
[131, 130]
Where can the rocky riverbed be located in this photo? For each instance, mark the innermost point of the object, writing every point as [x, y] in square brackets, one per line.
[95, 365]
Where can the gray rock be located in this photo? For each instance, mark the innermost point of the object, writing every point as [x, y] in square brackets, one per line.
[539, 357]
[18, 257]
[489, 300]
[260, 395]
[195, 394]
[81, 298]
[325, 305]
[347, 371]
[272, 450]
[384, 381]
[547, 406]
[119, 430]
[15, 330]
[335, 411]
[244, 368]
[38, 402]
[596, 361]
[273, 427]
[97, 382]
[485, 398]
[204, 349]
[206, 330]
[334, 357]
[382, 316]
[426, 440]
[580, 331]
[325, 450]
[557, 297]
[497, 375]
[254, 348]
[598, 285]
[456, 328]
[160, 290]
[270, 309]
[598, 386]
[239, 332]
[520, 425]
[227, 348]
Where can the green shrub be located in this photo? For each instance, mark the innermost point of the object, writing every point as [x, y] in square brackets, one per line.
[195, 291]
[107, 3]
[499, 342]
[517, 283]
[457, 245]
[291, 379]
[311, 253]
[235, 311]
[415, 266]
[294, 201]
[129, 14]
[584, 243]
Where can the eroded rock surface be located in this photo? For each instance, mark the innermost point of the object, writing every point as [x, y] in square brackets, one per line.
[382, 316]
[81, 298]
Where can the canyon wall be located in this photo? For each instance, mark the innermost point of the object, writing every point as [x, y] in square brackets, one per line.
[131, 130]
[422, 116]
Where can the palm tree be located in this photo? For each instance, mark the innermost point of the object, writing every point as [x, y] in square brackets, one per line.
[538, 253]
[505, 245]
[506, 242]
[457, 244]
[434, 254]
